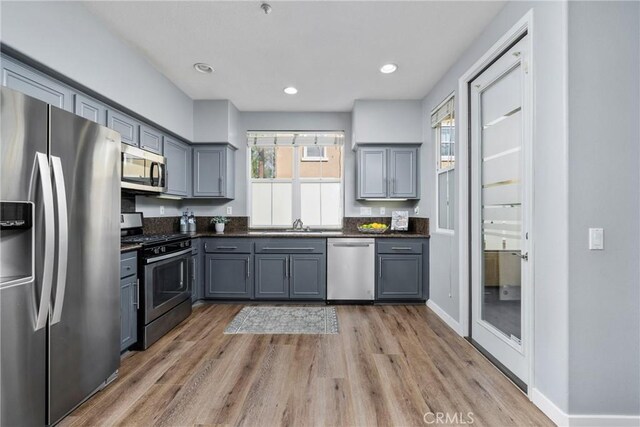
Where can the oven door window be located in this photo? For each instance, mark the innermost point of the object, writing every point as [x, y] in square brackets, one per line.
[170, 281]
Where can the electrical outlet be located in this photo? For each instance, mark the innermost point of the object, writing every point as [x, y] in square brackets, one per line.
[229, 210]
[161, 210]
[416, 210]
[382, 211]
[596, 239]
[365, 211]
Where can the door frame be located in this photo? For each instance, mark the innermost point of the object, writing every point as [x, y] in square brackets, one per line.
[517, 31]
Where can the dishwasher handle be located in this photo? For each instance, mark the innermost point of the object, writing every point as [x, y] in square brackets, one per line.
[351, 245]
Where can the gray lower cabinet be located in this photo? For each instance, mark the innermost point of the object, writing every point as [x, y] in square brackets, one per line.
[402, 269]
[90, 109]
[35, 84]
[388, 172]
[308, 277]
[129, 295]
[272, 276]
[228, 276]
[214, 171]
[178, 157]
[150, 139]
[126, 126]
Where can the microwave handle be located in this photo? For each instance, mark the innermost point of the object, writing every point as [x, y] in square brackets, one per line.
[162, 174]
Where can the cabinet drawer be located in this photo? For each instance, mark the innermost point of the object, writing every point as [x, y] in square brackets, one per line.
[291, 246]
[399, 247]
[128, 264]
[223, 245]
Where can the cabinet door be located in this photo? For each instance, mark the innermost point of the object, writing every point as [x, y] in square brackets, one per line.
[30, 82]
[308, 277]
[403, 173]
[178, 157]
[399, 277]
[126, 126]
[228, 276]
[372, 172]
[90, 109]
[128, 312]
[150, 139]
[272, 277]
[208, 171]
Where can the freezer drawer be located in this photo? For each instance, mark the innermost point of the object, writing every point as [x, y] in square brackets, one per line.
[351, 269]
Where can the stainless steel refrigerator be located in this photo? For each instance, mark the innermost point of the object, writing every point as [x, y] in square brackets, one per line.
[59, 247]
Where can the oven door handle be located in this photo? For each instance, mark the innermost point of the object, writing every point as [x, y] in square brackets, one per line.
[163, 257]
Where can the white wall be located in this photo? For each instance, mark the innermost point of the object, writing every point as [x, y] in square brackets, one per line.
[66, 37]
[604, 140]
[216, 121]
[386, 121]
[550, 255]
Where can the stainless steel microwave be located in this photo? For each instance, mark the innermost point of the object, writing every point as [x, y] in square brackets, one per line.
[143, 171]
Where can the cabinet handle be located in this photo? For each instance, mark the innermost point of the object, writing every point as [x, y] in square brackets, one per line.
[248, 266]
[205, 247]
[379, 266]
[137, 301]
[400, 248]
[286, 267]
[226, 247]
[290, 267]
[267, 248]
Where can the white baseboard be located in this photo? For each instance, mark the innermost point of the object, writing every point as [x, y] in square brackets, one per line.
[450, 321]
[559, 417]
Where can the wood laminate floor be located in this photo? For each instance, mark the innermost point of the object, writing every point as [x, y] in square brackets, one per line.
[388, 366]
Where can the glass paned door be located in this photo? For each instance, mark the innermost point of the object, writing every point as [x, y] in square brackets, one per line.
[499, 190]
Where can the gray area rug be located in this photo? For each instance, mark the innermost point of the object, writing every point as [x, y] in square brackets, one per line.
[284, 320]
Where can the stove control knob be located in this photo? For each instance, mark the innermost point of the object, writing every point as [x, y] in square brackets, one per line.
[163, 249]
[156, 251]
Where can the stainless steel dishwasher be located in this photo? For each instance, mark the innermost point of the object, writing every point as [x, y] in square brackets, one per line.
[351, 269]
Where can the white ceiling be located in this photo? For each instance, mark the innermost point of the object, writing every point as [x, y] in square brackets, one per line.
[330, 50]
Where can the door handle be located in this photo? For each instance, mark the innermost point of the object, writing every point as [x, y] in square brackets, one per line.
[379, 266]
[248, 267]
[400, 248]
[290, 267]
[63, 238]
[41, 170]
[137, 294]
[524, 256]
[226, 247]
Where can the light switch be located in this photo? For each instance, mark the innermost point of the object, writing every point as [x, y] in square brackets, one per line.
[596, 239]
[365, 211]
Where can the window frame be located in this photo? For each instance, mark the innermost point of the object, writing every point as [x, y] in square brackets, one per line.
[450, 230]
[296, 181]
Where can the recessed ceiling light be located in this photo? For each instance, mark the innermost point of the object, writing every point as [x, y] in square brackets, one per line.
[290, 90]
[203, 68]
[388, 68]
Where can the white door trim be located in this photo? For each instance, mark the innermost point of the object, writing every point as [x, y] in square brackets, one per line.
[524, 25]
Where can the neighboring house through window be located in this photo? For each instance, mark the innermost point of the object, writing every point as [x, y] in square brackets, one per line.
[443, 124]
[296, 175]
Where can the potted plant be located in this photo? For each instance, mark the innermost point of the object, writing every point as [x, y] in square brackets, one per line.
[219, 222]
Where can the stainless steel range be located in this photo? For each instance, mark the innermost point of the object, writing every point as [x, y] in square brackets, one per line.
[165, 298]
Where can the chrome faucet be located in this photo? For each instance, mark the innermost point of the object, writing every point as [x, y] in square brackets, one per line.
[298, 225]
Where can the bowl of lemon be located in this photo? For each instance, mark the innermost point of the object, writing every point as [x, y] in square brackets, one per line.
[374, 227]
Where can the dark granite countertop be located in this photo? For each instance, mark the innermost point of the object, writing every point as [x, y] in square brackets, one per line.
[310, 235]
[126, 247]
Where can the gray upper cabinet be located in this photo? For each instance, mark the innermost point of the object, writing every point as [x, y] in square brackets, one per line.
[372, 172]
[90, 109]
[404, 181]
[388, 172]
[214, 171]
[35, 84]
[150, 139]
[127, 127]
[178, 156]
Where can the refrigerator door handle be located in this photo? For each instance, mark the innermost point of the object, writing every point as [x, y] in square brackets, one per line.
[41, 170]
[63, 238]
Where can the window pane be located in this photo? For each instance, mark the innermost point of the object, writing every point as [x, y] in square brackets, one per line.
[320, 162]
[331, 204]
[261, 203]
[446, 138]
[451, 198]
[443, 216]
[282, 201]
[271, 162]
[310, 203]
[320, 204]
